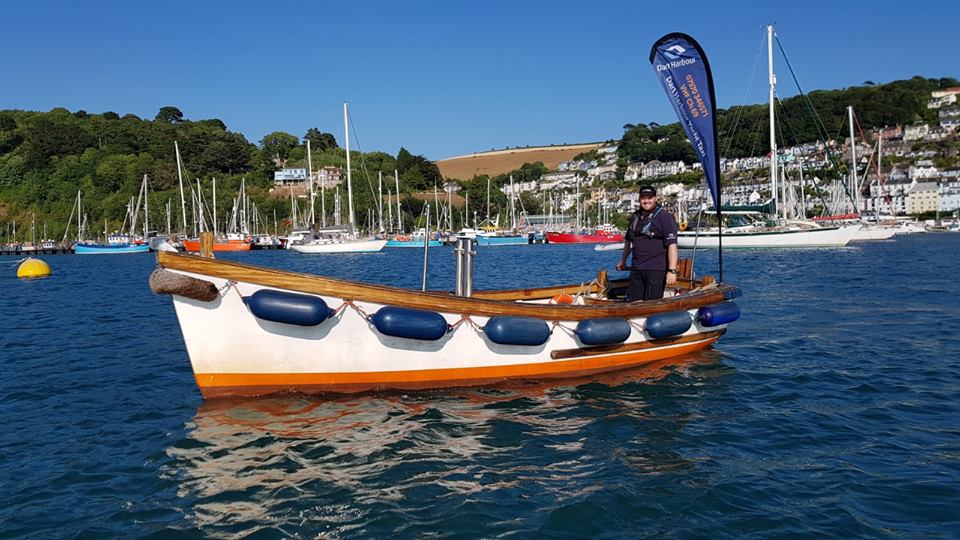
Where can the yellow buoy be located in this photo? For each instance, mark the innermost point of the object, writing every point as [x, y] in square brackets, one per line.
[31, 268]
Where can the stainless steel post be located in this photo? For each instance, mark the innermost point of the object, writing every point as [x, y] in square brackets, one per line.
[462, 246]
[426, 248]
[468, 267]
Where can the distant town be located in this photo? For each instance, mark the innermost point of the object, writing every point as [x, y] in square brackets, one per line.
[920, 172]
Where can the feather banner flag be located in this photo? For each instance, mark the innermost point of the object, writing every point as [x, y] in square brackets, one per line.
[684, 72]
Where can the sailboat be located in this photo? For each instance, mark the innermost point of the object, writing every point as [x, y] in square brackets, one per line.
[754, 230]
[122, 241]
[868, 231]
[237, 237]
[490, 234]
[604, 233]
[341, 239]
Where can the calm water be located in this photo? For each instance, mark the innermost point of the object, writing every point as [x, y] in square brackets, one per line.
[829, 410]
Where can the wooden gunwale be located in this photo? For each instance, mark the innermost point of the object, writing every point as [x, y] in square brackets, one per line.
[437, 301]
[541, 293]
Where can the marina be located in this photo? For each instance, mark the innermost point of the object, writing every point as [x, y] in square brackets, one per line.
[809, 397]
[651, 295]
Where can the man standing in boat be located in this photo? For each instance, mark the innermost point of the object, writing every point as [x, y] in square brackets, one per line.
[652, 238]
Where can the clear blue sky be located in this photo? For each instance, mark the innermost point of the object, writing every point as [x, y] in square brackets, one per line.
[443, 77]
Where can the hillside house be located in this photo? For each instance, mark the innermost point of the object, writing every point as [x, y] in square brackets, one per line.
[657, 169]
[915, 132]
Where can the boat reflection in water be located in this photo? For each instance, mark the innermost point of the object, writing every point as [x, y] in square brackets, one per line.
[339, 462]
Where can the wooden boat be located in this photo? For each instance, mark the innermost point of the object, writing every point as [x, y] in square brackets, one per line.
[240, 243]
[599, 236]
[250, 330]
[107, 249]
[116, 243]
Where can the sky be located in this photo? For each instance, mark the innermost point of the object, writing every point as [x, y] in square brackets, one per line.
[444, 78]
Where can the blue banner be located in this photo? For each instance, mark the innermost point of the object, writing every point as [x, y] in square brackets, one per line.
[684, 72]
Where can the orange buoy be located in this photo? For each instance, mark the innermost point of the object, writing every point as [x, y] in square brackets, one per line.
[562, 299]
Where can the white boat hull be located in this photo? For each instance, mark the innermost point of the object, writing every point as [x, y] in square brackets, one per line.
[346, 246]
[872, 232]
[233, 352]
[790, 238]
[910, 228]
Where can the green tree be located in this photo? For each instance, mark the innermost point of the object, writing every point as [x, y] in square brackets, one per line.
[417, 172]
[170, 115]
[277, 145]
[320, 141]
[7, 122]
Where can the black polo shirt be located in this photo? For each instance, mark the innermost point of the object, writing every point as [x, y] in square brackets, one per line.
[650, 249]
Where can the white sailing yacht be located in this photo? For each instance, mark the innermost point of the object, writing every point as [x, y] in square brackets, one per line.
[757, 233]
[341, 239]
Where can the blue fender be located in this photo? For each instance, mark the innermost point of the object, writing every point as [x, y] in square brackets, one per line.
[410, 323]
[287, 307]
[671, 323]
[602, 331]
[717, 314]
[507, 330]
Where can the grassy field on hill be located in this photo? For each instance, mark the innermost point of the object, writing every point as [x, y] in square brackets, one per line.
[504, 161]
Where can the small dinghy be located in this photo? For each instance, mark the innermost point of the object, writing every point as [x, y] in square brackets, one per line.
[251, 330]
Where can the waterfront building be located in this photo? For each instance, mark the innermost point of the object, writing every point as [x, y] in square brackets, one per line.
[922, 197]
[948, 195]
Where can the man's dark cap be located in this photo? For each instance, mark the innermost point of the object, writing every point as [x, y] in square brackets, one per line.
[647, 189]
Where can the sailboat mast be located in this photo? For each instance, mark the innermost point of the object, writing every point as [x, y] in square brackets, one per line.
[346, 131]
[876, 204]
[803, 193]
[73, 209]
[183, 203]
[323, 198]
[488, 198]
[146, 207]
[436, 204]
[513, 205]
[203, 221]
[446, 188]
[245, 224]
[380, 199]
[390, 210]
[396, 180]
[310, 177]
[773, 131]
[214, 207]
[853, 163]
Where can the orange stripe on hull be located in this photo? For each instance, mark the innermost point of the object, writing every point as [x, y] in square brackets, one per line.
[254, 384]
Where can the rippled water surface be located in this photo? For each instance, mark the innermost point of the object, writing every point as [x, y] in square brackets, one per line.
[829, 410]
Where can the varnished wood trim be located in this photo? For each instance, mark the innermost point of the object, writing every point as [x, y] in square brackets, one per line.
[643, 345]
[436, 301]
[539, 293]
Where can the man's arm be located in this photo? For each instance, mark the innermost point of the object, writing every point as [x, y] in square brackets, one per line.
[623, 256]
[627, 242]
[671, 264]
